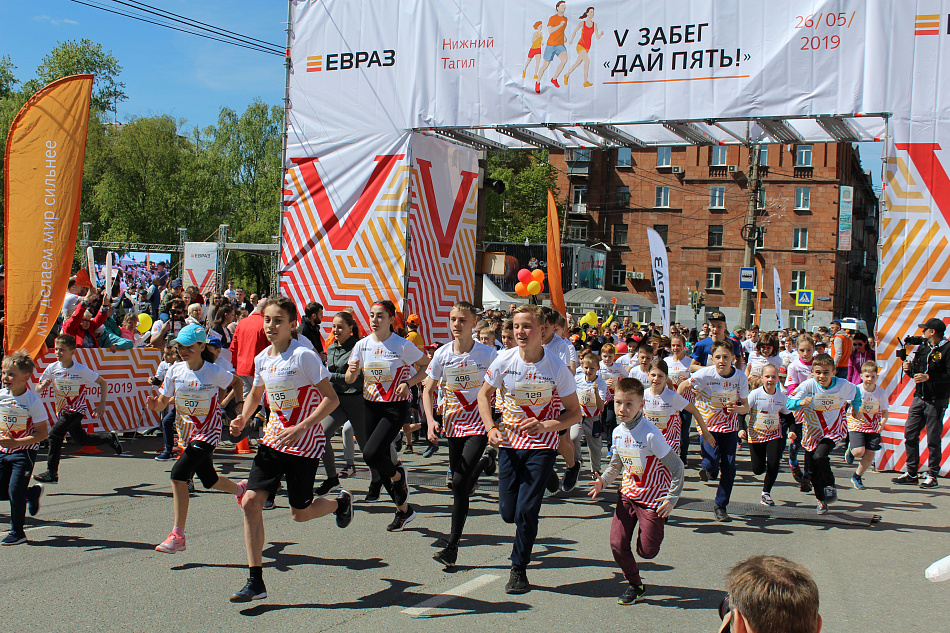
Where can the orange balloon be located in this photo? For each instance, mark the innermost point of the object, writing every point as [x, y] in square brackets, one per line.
[521, 290]
[538, 275]
[534, 287]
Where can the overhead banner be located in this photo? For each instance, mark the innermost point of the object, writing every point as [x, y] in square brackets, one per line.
[661, 276]
[201, 265]
[344, 226]
[555, 283]
[845, 200]
[442, 222]
[43, 162]
[777, 291]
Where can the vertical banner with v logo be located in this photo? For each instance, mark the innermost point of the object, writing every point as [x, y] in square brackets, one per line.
[201, 265]
[443, 195]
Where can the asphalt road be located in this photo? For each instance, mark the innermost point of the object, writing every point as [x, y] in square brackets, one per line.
[91, 564]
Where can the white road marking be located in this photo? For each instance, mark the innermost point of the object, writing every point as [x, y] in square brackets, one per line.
[446, 596]
[52, 525]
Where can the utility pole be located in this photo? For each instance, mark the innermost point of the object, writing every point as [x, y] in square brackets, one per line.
[750, 233]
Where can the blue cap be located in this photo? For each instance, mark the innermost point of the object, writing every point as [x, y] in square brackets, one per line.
[191, 334]
[214, 340]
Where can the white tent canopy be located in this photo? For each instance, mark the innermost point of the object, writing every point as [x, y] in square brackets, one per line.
[494, 297]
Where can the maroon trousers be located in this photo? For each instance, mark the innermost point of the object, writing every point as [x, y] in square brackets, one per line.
[626, 517]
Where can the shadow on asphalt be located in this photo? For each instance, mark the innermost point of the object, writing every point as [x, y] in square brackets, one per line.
[287, 562]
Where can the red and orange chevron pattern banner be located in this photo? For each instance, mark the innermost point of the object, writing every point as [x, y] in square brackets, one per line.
[344, 229]
[127, 374]
[442, 223]
[914, 279]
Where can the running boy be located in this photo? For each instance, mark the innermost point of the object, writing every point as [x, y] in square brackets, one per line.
[194, 386]
[662, 407]
[799, 370]
[651, 485]
[23, 425]
[70, 380]
[766, 443]
[591, 392]
[610, 372]
[679, 371]
[299, 396]
[823, 400]
[864, 425]
[540, 399]
[641, 370]
[721, 392]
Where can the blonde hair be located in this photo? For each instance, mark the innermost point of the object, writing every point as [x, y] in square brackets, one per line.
[20, 361]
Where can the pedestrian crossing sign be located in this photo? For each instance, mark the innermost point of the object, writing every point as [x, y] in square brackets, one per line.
[804, 298]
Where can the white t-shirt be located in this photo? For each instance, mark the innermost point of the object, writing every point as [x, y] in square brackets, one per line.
[290, 380]
[639, 374]
[748, 345]
[679, 369]
[385, 365]
[19, 416]
[714, 393]
[460, 378]
[663, 411]
[586, 394]
[531, 390]
[765, 410]
[70, 301]
[757, 363]
[825, 416]
[645, 479]
[70, 386]
[562, 349]
[873, 405]
[613, 372]
[197, 413]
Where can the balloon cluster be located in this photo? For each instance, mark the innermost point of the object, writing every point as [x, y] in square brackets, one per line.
[530, 282]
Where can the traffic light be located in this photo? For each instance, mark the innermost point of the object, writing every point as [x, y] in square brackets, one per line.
[701, 302]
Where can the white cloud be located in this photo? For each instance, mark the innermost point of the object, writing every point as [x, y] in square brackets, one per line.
[46, 18]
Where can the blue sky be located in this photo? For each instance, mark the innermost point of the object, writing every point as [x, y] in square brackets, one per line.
[165, 71]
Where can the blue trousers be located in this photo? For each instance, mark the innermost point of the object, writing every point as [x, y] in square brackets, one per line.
[15, 471]
[522, 477]
[722, 460]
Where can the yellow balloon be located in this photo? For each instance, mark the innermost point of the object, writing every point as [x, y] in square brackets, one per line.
[145, 323]
[534, 287]
[590, 319]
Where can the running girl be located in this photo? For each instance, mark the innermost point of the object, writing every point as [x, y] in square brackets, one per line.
[764, 353]
[535, 51]
[589, 30]
[766, 443]
[662, 407]
[679, 371]
[799, 370]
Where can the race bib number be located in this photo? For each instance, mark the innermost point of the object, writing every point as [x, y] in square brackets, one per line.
[632, 461]
[462, 378]
[826, 403]
[659, 419]
[766, 423]
[67, 387]
[282, 395]
[756, 370]
[13, 421]
[870, 406]
[722, 399]
[678, 376]
[194, 403]
[378, 372]
[532, 394]
[586, 396]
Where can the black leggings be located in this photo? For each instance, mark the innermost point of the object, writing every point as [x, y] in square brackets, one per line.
[819, 465]
[196, 460]
[383, 422]
[465, 454]
[766, 458]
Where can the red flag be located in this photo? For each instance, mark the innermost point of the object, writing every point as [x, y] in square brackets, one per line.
[554, 257]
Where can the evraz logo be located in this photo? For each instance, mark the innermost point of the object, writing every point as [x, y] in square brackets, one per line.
[660, 281]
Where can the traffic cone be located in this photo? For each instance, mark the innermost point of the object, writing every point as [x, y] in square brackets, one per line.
[89, 450]
[243, 448]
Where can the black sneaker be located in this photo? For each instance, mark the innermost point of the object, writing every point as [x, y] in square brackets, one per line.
[190, 484]
[805, 485]
[634, 593]
[344, 508]
[398, 442]
[114, 443]
[929, 482]
[254, 589]
[553, 482]
[721, 515]
[401, 519]
[373, 493]
[570, 477]
[431, 450]
[448, 556]
[401, 487]
[327, 486]
[517, 582]
[14, 538]
[903, 480]
[52, 478]
[490, 462]
[703, 475]
[33, 497]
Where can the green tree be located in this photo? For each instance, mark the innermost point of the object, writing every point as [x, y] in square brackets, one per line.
[7, 79]
[521, 212]
[84, 56]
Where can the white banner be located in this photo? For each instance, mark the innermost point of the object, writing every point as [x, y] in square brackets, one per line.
[777, 291]
[661, 276]
[200, 265]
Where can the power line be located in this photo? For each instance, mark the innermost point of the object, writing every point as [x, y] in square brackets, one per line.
[243, 43]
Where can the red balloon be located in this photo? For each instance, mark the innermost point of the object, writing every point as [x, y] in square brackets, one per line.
[521, 290]
[524, 276]
[538, 275]
[621, 348]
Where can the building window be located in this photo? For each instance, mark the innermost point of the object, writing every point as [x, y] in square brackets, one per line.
[578, 155]
[623, 196]
[715, 236]
[763, 155]
[618, 276]
[802, 198]
[664, 156]
[760, 198]
[760, 238]
[663, 230]
[620, 234]
[803, 156]
[717, 197]
[800, 239]
[579, 194]
[799, 280]
[662, 197]
[624, 157]
[796, 319]
[720, 156]
[577, 230]
[713, 278]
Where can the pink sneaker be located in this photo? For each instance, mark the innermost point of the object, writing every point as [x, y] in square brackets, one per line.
[172, 544]
[242, 488]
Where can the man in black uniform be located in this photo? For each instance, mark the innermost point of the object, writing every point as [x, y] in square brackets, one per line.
[929, 370]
